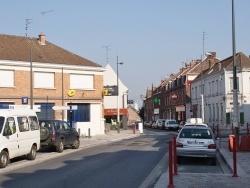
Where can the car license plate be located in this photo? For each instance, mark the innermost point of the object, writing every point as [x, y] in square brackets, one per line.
[195, 143]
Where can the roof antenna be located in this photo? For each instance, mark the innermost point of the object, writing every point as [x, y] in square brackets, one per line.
[107, 53]
[42, 15]
[26, 26]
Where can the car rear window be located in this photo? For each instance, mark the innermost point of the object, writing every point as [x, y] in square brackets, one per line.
[196, 133]
[46, 124]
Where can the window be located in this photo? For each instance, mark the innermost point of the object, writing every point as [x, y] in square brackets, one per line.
[210, 114]
[5, 105]
[212, 91]
[210, 88]
[79, 81]
[82, 114]
[213, 112]
[33, 122]
[46, 111]
[23, 124]
[1, 123]
[217, 112]
[8, 80]
[44, 80]
[196, 94]
[221, 112]
[10, 126]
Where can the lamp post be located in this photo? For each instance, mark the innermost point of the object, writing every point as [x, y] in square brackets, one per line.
[118, 110]
[235, 96]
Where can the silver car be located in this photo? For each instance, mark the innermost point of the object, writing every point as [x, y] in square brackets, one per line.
[196, 141]
[171, 124]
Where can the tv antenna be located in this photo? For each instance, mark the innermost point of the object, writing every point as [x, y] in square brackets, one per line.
[28, 21]
[107, 53]
[203, 43]
[42, 16]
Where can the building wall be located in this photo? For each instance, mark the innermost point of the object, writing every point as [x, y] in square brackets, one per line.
[55, 95]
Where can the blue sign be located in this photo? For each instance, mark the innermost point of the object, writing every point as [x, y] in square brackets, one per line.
[25, 100]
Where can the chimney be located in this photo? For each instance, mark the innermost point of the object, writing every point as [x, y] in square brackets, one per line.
[41, 39]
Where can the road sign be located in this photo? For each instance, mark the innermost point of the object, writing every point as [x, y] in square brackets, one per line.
[37, 108]
[73, 107]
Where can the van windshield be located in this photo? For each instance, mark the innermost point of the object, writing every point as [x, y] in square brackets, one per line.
[1, 123]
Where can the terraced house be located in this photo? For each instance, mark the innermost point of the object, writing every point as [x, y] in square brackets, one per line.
[57, 83]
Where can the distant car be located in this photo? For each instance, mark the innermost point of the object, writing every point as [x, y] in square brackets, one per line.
[57, 134]
[148, 123]
[196, 141]
[160, 123]
[181, 124]
[171, 124]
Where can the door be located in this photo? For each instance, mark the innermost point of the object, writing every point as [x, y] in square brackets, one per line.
[9, 137]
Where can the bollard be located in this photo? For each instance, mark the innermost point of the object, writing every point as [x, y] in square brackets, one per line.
[218, 131]
[89, 133]
[133, 126]
[79, 131]
[175, 156]
[170, 164]
[234, 158]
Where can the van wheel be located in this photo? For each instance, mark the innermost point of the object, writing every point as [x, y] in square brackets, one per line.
[32, 154]
[60, 147]
[4, 159]
[76, 144]
[44, 133]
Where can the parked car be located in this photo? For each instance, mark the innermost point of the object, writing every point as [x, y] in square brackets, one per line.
[171, 124]
[57, 134]
[160, 123]
[19, 134]
[196, 141]
[147, 123]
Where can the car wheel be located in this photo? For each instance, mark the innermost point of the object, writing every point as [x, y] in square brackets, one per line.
[44, 133]
[32, 154]
[4, 159]
[213, 161]
[76, 144]
[60, 147]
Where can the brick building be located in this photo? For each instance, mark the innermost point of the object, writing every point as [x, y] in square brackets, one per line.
[38, 74]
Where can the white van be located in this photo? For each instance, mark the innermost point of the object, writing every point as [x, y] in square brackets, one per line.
[19, 134]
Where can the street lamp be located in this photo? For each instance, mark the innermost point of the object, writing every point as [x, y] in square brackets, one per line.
[235, 96]
[118, 110]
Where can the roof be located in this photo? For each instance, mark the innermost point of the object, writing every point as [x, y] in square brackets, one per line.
[241, 60]
[18, 48]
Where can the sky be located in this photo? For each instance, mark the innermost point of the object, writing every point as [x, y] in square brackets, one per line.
[153, 38]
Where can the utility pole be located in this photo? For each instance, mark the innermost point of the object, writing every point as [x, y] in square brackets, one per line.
[31, 65]
[235, 87]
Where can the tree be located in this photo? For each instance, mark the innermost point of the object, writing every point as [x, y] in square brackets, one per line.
[141, 113]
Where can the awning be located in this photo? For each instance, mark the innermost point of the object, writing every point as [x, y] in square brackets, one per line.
[180, 108]
[113, 112]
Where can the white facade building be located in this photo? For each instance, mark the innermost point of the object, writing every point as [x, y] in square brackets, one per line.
[111, 101]
[217, 101]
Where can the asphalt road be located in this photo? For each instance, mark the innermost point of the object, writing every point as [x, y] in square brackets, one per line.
[120, 164]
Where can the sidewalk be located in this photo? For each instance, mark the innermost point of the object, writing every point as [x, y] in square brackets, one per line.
[207, 180]
[111, 136]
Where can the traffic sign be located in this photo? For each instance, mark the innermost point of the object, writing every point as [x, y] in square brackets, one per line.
[73, 107]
